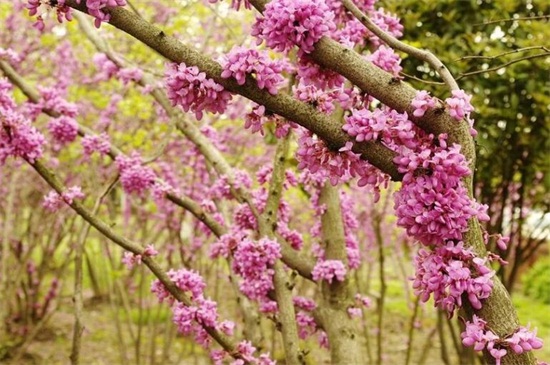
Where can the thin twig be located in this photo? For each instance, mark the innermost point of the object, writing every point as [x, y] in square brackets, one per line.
[513, 20]
[525, 49]
[467, 74]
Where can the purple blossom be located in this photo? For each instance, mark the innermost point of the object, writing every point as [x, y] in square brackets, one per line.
[63, 129]
[241, 61]
[365, 125]
[386, 58]
[450, 271]
[192, 90]
[53, 201]
[422, 102]
[96, 143]
[459, 104]
[329, 270]
[134, 177]
[286, 23]
[18, 138]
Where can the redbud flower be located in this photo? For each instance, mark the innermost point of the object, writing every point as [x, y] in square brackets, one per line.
[459, 104]
[192, 90]
[286, 23]
[64, 129]
[422, 102]
[329, 270]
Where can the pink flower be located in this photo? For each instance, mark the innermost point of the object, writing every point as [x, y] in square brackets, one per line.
[385, 58]
[192, 90]
[286, 23]
[96, 143]
[459, 104]
[18, 138]
[134, 177]
[422, 102]
[64, 129]
[241, 61]
[329, 270]
[53, 201]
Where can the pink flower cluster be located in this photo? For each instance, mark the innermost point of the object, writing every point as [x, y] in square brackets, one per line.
[244, 352]
[435, 207]
[96, 143]
[459, 104]
[130, 259]
[422, 102]
[259, 117]
[53, 100]
[108, 69]
[63, 129]
[253, 261]
[53, 201]
[386, 58]
[286, 23]
[241, 61]
[329, 270]
[192, 319]
[310, 73]
[478, 335]
[18, 138]
[364, 125]
[449, 272]
[96, 8]
[337, 166]
[35, 6]
[192, 90]
[134, 177]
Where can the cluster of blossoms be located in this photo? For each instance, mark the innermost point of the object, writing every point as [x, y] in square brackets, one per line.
[192, 319]
[134, 177]
[337, 166]
[386, 58]
[18, 138]
[459, 104]
[38, 6]
[329, 270]
[192, 90]
[422, 102]
[96, 143]
[130, 259]
[450, 271]
[434, 206]
[460, 107]
[63, 129]
[478, 335]
[253, 262]
[244, 351]
[241, 61]
[96, 8]
[53, 201]
[259, 117]
[287, 23]
[108, 69]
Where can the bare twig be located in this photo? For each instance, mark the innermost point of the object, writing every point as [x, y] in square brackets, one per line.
[524, 18]
[525, 49]
[466, 74]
